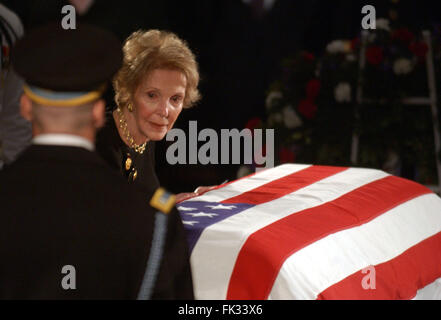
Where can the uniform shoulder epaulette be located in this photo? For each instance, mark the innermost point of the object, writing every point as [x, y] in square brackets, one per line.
[163, 200]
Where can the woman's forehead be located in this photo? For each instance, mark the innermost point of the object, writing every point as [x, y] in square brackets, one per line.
[164, 79]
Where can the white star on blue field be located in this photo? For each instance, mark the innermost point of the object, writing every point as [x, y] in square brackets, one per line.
[198, 215]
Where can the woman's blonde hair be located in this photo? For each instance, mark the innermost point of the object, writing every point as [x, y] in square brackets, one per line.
[145, 51]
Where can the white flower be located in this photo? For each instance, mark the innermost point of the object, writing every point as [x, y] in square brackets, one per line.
[342, 92]
[290, 118]
[272, 97]
[339, 46]
[382, 23]
[402, 66]
[336, 46]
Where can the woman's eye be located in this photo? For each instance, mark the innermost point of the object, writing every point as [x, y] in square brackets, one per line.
[176, 98]
[151, 94]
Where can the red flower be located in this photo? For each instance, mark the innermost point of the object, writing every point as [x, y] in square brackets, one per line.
[308, 56]
[313, 88]
[307, 108]
[286, 155]
[253, 123]
[374, 55]
[403, 34]
[419, 49]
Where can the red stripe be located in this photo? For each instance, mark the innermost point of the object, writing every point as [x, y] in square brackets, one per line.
[285, 185]
[264, 252]
[399, 278]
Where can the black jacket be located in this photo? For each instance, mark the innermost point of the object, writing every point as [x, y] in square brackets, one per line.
[63, 206]
[114, 151]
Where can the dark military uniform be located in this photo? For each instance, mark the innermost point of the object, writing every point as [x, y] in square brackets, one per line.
[63, 206]
[70, 226]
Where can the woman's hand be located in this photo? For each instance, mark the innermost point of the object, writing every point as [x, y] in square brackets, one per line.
[187, 195]
[201, 190]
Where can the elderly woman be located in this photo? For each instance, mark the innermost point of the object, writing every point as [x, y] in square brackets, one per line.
[159, 78]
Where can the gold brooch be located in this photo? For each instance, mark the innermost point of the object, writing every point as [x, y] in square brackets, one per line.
[128, 163]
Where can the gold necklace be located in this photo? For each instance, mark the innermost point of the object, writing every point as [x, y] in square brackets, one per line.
[139, 148]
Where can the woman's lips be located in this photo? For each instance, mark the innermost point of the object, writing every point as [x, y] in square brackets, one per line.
[158, 126]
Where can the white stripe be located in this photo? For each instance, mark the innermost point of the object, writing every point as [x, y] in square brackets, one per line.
[430, 292]
[308, 272]
[215, 253]
[246, 184]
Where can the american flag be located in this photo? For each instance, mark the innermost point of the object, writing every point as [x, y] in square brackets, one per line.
[310, 232]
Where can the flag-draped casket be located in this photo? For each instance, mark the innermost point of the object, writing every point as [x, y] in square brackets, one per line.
[315, 232]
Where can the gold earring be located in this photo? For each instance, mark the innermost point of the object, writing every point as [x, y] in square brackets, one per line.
[130, 107]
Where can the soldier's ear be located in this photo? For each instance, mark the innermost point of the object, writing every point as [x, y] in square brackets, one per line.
[26, 107]
[98, 113]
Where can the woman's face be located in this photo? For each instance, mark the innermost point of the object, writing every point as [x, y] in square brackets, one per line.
[158, 102]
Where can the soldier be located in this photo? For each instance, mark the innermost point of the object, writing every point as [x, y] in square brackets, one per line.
[72, 228]
[15, 132]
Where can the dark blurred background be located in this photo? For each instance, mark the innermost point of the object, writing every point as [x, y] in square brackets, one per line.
[239, 46]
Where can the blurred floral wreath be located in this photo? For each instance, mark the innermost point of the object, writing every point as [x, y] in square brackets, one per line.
[312, 106]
